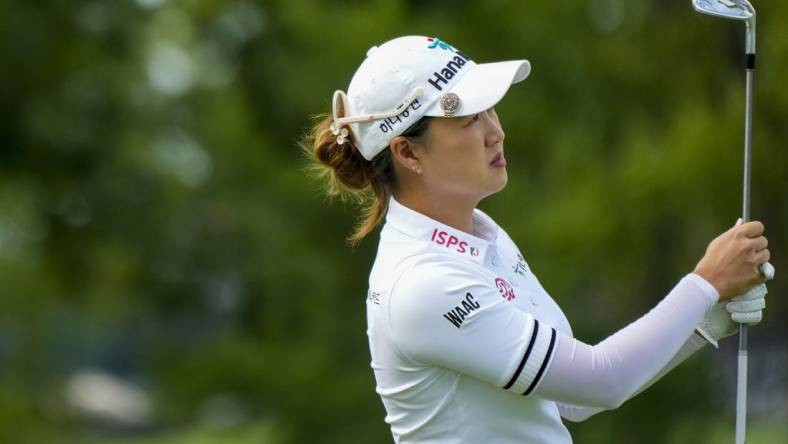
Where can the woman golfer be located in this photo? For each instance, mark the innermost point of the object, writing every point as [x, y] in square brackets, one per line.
[466, 345]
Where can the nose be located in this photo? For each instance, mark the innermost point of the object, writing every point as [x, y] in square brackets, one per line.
[495, 133]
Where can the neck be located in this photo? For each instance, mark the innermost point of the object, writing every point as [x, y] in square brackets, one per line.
[452, 211]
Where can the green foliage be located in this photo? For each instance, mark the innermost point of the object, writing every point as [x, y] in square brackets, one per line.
[156, 223]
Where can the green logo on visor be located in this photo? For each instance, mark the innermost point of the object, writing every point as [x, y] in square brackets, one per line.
[435, 42]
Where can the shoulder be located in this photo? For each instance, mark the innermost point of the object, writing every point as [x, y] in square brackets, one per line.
[434, 273]
[434, 284]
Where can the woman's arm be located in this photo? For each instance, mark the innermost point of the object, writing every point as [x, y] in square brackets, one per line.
[577, 413]
[448, 314]
[607, 374]
[459, 321]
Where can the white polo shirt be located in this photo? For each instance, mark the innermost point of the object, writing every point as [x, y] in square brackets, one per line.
[460, 333]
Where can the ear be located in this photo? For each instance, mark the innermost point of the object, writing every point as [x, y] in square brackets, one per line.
[406, 153]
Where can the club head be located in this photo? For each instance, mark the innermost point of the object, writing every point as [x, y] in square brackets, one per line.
[740, 10]
[730, 9]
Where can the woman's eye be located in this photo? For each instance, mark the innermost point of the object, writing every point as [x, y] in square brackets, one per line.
[475, 118]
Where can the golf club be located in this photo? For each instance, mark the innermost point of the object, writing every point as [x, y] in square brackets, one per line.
[740, 10]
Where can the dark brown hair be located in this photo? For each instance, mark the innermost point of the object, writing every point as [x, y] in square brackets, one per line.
[346, 174]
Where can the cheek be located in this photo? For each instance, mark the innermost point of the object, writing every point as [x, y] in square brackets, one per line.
[458, 159]
[461, 166]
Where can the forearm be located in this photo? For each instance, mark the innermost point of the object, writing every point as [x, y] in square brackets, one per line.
[578, 413]
[693, 344]
[609, 373]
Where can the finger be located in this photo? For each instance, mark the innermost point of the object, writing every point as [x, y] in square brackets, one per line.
[759, 243]
[767, 270]
[747, 318]
[756, 292]
[761, 279]
[762, 257]
[746, 306]
[735, 226]
[751, 229]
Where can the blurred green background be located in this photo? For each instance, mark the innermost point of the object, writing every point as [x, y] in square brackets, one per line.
[169, 275]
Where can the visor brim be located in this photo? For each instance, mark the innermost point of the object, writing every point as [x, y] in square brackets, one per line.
[483, 86]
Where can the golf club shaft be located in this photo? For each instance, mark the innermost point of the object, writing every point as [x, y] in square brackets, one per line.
[741, 383]
[748, 141]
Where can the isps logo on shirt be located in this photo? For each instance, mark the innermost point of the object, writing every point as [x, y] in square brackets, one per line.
[451, 241]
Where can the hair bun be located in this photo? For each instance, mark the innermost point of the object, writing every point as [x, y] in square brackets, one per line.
[346, 173]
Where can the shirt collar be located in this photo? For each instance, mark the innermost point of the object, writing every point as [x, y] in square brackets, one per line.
[442, 237]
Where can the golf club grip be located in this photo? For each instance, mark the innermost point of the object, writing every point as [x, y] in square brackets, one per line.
[741, 387]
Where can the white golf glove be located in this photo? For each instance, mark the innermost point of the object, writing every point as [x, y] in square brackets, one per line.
[723, 319]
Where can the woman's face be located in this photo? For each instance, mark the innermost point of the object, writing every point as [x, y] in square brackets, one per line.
[463, 156]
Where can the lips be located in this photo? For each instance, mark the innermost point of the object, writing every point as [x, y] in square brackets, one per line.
[498, 160]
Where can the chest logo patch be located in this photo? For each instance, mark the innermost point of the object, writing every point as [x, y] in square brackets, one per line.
[505, 288]
[519, 267]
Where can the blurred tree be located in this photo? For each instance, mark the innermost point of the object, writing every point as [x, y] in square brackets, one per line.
[156, 224]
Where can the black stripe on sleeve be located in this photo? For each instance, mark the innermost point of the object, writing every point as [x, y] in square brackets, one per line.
[525, 357]
[544, 364]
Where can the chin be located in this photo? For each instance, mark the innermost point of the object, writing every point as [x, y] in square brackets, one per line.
[498, 184]
[503, 179]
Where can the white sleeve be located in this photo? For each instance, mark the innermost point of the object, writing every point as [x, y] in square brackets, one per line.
[577, 413]
[447, 315]
[607, 374]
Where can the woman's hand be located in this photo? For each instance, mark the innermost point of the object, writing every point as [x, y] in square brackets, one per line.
[732, 261]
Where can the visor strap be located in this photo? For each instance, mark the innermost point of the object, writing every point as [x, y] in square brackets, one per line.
[418, 92]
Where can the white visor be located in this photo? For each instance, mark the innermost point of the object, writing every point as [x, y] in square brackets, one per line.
[410, 77]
